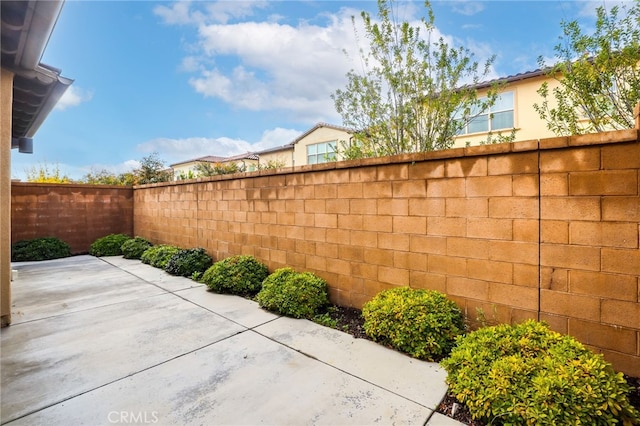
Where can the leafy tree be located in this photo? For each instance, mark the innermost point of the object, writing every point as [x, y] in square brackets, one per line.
[414, 93]
[103, 177]
[151, 170]
[214, 169]
[598, 75]
[42, 174]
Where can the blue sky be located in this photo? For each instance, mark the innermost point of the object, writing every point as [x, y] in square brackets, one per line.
[187, 79]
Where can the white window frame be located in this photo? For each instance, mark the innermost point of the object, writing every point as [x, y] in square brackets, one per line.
[489, 116]
[322, 152]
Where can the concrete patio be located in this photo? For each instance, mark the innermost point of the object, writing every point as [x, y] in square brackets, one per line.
[113, 341]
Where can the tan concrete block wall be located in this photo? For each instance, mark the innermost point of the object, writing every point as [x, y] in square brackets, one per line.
[589, 252]
[77, 214]
[509, 231]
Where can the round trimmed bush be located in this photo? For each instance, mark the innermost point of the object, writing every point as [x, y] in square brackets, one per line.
[39, 249]
[133, 248]
[187, 261]
[421, 323]
[241, 275]
[295, 294]
[108, 245]
[526, 374]
[158, 256]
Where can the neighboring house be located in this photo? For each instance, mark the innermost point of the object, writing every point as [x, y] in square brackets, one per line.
[28, 92]
[513, 110]
[247, 162]
[320, 144]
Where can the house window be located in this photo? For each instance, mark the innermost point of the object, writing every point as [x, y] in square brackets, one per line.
[321, 152]
[499, 116]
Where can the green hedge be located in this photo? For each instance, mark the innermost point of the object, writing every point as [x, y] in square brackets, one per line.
[295, 294]
[241, 275]
[188, 261]
[527, 374]
[39, 249]
[158, 256]
[133, 248]
[109, 245]
[422, 323]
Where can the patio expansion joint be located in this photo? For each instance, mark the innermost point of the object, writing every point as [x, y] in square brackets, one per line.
[124, 377]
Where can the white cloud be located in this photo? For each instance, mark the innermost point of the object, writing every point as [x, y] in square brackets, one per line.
[176, 150]
[467, 8]
[73, 96]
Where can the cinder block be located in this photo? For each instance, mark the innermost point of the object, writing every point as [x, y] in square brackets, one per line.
[556, 322]
[554, 279]
[467, 247]
[603, 285]
[570, 257]
[468, 288]
[466, 207]
[513, 251]
[310, 206]
[390, 172]
[491, 271]
[359, 174]
[526, 230]
[571, 208]
[362, 238]
[611, 234]
[315, 234]
[514, 296]
[351, 253]
[378, 190]
[393, 241]
[393, 206]
[449, 187]
[447, 226]
[525, 275]
[554, 231]
[409, 188]
[426, 170]
[464, 167]
[409, 225]
[337, 206]
[447, 265]
[351, 221]
[378, 257]
[338, 266]
[621, 156]
[604, 336]
[570, 160]
[621, 261]
[622, 313]
[489, 186]
[514, 207]
[604, 182]
[325, 191]
[364, 270]
[378, 223]
[513, 163]
[326, 220]
[425, 206]
[624, 209]
[427, 281]
[428, 244]
[367, 206]
[314, 263]
[393, 275]
[570, 305]
[626, 363]
[488, 228]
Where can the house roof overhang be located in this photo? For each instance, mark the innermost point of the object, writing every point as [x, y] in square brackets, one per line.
[26, 29]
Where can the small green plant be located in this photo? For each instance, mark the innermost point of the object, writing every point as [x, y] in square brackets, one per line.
[39, 249]
[422, 323]
[241, 275]
[295, 294]
[185, 262]
[158, 256]
[526, 374]
[326, 320]
[133, 248]
[196, 276]
[109, 245]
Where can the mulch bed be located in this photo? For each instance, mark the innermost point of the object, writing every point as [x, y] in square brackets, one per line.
[350, 321]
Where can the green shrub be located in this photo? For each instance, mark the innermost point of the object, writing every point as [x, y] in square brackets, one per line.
[422, 323]
[109, 245]
[296, 294]
[527, 374]
[39, 249]
[158, 256]
[185, 262]
[133, 248]
[241, 275]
